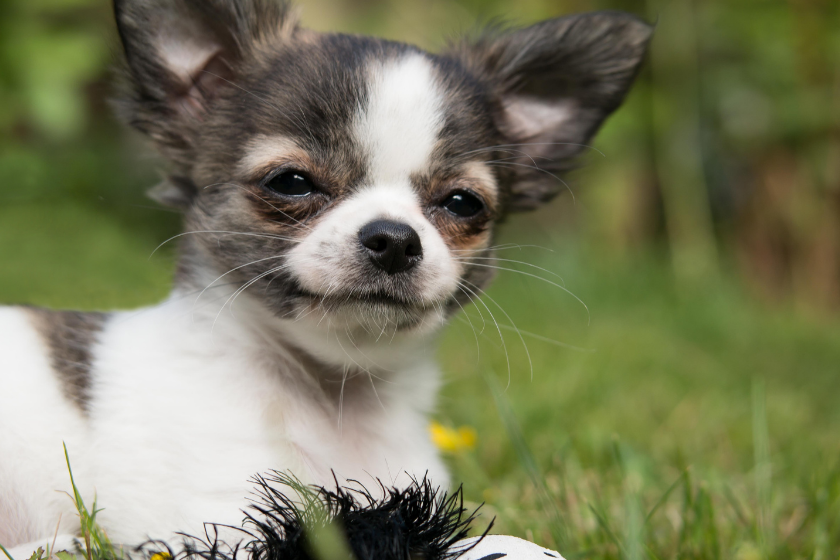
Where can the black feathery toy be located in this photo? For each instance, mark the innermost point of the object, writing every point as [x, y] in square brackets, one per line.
[417, 522]
[420, 522]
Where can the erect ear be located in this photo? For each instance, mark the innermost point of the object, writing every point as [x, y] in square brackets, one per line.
[180, 55]
[556, 82]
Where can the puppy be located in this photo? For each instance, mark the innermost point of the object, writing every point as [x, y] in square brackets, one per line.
[340, 197]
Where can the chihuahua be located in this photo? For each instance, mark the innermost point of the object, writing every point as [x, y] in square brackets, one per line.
[340, 196]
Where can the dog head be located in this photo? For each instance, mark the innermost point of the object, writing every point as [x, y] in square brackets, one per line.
[352, 178]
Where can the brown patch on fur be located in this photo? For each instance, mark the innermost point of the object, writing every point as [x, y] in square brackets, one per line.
[70, 335]
[459, 233]
[266, 156]
[285, 216]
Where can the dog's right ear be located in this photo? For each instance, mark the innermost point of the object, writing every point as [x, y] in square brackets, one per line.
[181, 54]
[556, 82]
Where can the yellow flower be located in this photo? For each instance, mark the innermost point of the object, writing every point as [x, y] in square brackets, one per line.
[451, 440]
[161, 556]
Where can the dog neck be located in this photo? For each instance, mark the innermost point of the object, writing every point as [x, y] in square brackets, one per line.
[310, 346]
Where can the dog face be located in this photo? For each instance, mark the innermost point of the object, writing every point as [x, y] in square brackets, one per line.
[356, 179]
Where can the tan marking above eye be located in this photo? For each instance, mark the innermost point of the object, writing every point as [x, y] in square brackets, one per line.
[265, 153]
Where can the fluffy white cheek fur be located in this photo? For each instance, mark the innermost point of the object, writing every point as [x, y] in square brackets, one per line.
[330, 259]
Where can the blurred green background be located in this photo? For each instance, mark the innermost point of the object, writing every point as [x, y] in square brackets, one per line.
[690, 410]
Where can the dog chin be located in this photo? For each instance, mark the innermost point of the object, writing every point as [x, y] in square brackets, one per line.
[376, 313]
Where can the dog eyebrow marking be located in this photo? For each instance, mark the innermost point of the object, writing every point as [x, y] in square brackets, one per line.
[400, 124]
[70, 335]
[263, 152]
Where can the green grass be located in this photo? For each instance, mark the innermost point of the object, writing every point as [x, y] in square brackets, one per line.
[690, 423]
[95, 544]
[694, 424]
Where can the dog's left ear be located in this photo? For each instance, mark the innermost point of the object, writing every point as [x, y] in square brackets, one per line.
[180, 56]
[555, 83]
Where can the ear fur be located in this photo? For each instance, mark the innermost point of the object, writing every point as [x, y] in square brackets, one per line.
[174, 191]
[556, 82]
[180, 55]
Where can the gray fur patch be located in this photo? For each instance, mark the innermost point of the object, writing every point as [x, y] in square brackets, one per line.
[70, 335]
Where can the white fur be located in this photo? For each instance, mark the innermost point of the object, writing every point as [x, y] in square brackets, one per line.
[184, 47]
[183, 413]
[35, 418]
[531, 117]
[400, 125]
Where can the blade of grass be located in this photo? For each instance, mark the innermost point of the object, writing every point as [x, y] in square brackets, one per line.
[526, 457]
[664, 496]
[6, 552]
[736, 506]
[97, 544]
[605, 526]
[762, 469]
[688, 504]
[323, 534]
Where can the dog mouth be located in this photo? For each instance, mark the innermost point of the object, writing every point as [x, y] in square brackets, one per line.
[371, 299]
[370, 309]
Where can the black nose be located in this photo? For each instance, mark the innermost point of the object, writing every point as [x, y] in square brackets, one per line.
[392, 246]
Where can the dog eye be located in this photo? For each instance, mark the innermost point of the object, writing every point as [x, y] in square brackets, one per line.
[290, 183]
[463, 204]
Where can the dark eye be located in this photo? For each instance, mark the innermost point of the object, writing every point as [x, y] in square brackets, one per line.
[463, 204]
[290, 183]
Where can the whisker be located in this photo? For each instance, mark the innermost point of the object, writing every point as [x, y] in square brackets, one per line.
[232, 270]
[477, 308]
[490, 148]
[525, 346]
[502, 247]
[467, 259]
[238, 186]
[469, 321]
[365, 356]
[302, 315]
[341, 393]
[501, 336]
[568, 188]
[242, 289]
[550, 340]
[370, 375]
[589, 316]
[223, 232]
[207, 302]
[519, 157]
[251, 282]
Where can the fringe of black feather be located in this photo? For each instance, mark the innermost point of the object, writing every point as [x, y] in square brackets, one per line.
[420, 522]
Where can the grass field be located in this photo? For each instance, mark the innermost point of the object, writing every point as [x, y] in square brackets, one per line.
[660, 424]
